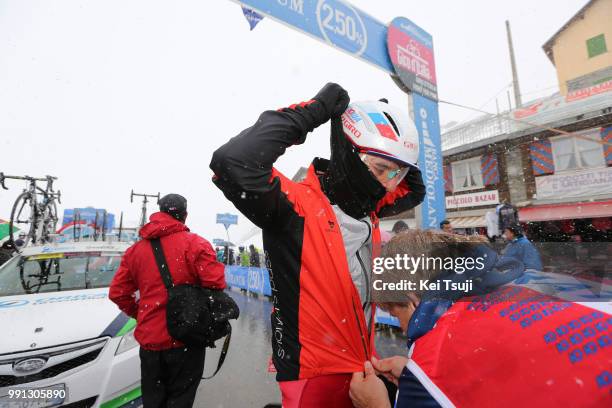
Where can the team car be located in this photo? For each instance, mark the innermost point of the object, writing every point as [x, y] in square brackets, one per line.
[64, 343]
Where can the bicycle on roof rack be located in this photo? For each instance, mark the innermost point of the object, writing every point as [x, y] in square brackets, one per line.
[35, 210]
[145, 201]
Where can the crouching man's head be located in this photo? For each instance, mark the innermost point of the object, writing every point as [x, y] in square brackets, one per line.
[420, 258]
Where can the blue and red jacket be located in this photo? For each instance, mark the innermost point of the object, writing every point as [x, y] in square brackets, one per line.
[515, 346]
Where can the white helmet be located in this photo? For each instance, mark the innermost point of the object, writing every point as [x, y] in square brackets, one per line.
[381, 129]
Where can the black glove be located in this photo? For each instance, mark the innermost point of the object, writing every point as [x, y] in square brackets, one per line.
[334, 99]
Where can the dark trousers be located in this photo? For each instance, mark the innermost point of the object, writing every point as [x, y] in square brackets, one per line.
[170, 378]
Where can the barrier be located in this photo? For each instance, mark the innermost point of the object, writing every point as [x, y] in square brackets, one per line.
[257, 280]
[383, 317]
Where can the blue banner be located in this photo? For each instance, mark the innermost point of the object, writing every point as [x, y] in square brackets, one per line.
[256, 280]
[427, 121]
[383, 317]
[88, 215]
[335, 22]
[227, 219]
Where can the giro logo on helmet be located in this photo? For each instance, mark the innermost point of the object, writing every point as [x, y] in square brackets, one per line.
[349, 125]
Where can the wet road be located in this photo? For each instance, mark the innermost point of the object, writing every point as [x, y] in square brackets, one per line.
[244, 380]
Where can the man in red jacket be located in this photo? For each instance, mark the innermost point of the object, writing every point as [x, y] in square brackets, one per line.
[170, 370]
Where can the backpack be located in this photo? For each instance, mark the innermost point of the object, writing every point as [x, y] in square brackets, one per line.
[196, 315]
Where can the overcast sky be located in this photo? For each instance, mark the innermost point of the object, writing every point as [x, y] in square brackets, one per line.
[113, 95]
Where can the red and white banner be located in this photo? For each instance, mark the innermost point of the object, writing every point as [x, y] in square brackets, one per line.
[580, 183]
[490, 197]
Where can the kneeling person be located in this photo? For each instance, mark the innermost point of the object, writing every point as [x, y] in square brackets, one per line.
[503, 343]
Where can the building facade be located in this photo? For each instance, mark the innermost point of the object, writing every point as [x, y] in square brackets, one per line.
[557, 170]
[552, 157]
[580, 50]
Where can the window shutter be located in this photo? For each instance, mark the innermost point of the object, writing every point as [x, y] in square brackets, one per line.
[448, 178]
[596, 46]
[541, 157]
[606, 137]
[490, 173]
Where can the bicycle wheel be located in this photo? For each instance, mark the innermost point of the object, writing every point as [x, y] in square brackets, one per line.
[23, 216]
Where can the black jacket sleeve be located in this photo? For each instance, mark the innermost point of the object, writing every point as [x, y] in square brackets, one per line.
[243, 166]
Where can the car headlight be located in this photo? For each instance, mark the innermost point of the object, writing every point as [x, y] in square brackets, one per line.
[127, 342]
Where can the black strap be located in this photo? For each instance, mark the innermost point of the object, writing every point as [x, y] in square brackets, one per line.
[162, 265]
[224, 350]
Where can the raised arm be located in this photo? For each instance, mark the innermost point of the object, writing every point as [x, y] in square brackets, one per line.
[243, 166]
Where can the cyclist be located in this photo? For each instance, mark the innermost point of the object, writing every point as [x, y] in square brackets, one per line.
[320, 234]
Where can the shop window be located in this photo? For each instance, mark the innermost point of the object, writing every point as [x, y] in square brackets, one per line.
[467, 174]
[596, 45]
[573, 153]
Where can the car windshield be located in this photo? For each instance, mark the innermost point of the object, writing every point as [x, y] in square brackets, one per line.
[57, 272]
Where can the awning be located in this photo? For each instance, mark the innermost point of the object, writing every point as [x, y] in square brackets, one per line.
[566, 211]
[468, 222]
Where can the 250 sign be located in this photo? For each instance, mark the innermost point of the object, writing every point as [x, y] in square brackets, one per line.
[342, 26]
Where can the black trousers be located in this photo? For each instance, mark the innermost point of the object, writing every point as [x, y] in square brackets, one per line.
[170, 378]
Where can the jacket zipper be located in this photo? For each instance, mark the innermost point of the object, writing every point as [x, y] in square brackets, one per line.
[367, 281]
[363, 268]
[365, 349]
[367, 298]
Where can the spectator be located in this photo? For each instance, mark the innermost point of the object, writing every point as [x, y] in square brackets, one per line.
[245, 259]
[219, 252]
[170, 370]
[226, 255]
[446, 226]
[255, 261]
[399, 226]
[519, 247]
[231, 258]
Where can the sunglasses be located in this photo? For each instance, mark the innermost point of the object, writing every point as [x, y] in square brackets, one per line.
[383, 169]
